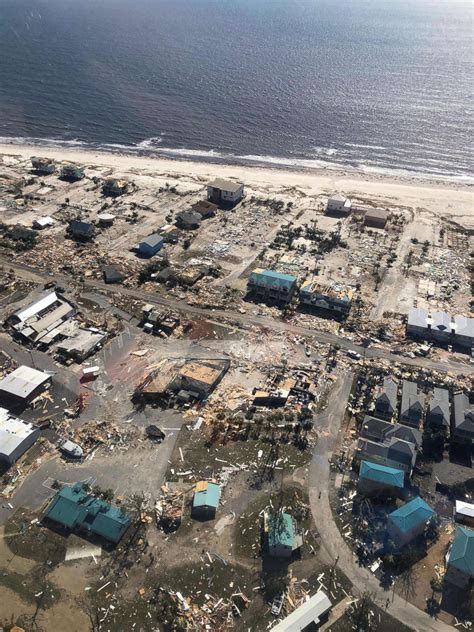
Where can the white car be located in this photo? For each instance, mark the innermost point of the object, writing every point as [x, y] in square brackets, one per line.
[353, 354]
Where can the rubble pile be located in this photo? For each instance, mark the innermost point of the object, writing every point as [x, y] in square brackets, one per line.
[169, 509]
[95, 434]
[215, 614]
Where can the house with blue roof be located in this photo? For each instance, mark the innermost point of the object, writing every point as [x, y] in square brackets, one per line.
[460, 558]
[281, 534]
[206, 499]
[377, 479]
[268, 285]
[408, 522]
[75, 509]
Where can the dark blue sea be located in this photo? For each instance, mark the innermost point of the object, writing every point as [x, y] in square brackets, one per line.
[377, 85]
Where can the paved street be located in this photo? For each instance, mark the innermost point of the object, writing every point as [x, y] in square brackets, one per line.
[328, 423]
[251, 319]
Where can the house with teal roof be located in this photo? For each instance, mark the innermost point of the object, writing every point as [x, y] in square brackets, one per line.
[75, 509]
[460, 558]
[377, 479]
[206, 499]
[281, 534]
[409, 521]
[272, 286]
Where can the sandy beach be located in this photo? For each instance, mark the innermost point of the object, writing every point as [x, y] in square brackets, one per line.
[452, 200]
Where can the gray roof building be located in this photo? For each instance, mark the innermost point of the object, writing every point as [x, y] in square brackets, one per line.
[393, 452]
[386, 401]
[463, 423]
[464, 331]
[441, 326]
[384, 432]
[411, 411]
[438, 409]
[23, 384]
[417, 322]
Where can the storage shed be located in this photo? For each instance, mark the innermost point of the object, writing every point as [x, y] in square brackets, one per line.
[206, 499]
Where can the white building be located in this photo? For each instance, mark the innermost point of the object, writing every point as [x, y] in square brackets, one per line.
[43, 222]
[225, 192]
[338, 205]
[22, 385]
[310, 613]
[464, 513]
[16, 436]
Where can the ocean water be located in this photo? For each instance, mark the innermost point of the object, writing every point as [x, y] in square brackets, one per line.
[378, 85]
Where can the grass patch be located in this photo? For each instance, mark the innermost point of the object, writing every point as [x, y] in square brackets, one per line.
[33, 541]
[32, 587]
[201, 458]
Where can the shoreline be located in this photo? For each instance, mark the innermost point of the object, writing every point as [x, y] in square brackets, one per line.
[448, 198]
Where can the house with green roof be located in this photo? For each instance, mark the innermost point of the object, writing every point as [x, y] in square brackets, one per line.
[281, 534]
[206, 499]
[460, 558]
[409, 521]
[75, 509]
[377, 479]
[268, 285]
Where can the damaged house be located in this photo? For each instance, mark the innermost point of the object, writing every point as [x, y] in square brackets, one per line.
[38, 323]
[185, 380]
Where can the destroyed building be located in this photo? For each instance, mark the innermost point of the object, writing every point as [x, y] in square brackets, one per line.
[82, 231]
[79, 343]
[71, 172]
[16, 437]
[205, 209]
[114, 187]
[336, 298]
[22, 386]
[188, 220]
[186, 380]
[43, 166]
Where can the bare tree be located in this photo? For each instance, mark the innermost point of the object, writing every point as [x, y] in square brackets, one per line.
[360, 612]
[407, 582]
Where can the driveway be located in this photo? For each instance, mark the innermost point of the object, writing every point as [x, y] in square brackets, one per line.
[329, 423]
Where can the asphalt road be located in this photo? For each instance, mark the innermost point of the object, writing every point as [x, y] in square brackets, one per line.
[250, 320]
[334, 545]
